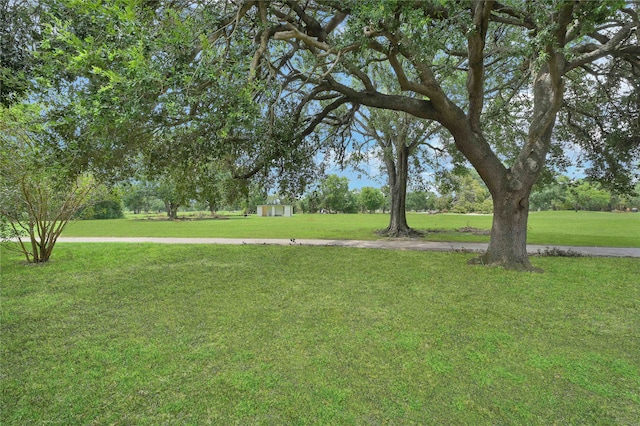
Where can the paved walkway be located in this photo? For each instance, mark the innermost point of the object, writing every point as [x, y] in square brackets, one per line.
[379, 244]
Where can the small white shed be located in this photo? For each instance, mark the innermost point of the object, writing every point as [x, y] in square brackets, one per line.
[285, 210]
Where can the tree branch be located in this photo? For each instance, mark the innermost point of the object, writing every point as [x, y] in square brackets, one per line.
[374, 99]
[475, 75]
[320, 117]
[519, 18]
[606, 49]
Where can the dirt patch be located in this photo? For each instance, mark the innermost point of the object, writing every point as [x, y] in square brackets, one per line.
[182, 218]
[557, 252]
[414, 234]
[464, 230]
[474, 231]
[411, 234]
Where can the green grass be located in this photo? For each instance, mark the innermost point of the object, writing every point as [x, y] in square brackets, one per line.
[560, 228]
[154, 334]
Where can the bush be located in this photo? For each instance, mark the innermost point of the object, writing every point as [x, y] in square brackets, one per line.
[39, 192]
[105, 203]
[107, 209]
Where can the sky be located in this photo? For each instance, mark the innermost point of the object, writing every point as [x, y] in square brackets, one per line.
[358, 180]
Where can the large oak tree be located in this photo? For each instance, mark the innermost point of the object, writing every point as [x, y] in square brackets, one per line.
[479, 68]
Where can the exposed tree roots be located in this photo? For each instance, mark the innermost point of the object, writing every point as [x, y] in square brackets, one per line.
[521, 265]
[400, 233]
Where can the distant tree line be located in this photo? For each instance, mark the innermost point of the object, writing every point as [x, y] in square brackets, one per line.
[458, 193]
[161, 195]
[580, 194]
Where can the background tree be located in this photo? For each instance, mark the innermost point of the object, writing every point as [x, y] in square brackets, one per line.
[549, 196]
[255, 196]
[585, 196]
[172, 189]
[627, 202]
[210, 187]
[137, 196]
[352, 204]
[371, 199]
[335, 195]
[311, 202]
[402, 142]
[470, 194]
[105, 203]
[421, 201]
[565, 193]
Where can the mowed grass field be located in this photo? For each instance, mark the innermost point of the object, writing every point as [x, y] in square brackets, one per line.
[559, 228]
[149, 334]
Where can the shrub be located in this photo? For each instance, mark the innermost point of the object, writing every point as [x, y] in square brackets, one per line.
[104, 209]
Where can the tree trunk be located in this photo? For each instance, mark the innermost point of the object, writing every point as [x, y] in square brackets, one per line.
[172, 210]
[508, 245]
[510, 188]
[397, 170]
[398, 218]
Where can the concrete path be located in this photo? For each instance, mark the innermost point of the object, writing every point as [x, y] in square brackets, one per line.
[378, 244]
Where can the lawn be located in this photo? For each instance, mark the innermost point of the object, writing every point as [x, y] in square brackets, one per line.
[152, 334]
[560, 228]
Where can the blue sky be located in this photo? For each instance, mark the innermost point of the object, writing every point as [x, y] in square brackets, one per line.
[357, 180]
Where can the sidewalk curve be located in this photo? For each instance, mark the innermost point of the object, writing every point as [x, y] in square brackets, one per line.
[378, 244]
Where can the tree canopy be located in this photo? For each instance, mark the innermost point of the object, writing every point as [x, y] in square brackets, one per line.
[19, 37]
[160, 82]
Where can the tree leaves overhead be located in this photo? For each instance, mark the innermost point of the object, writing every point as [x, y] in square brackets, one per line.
[181, 68]
[601, 122]
[19, 35]
[162, 80]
